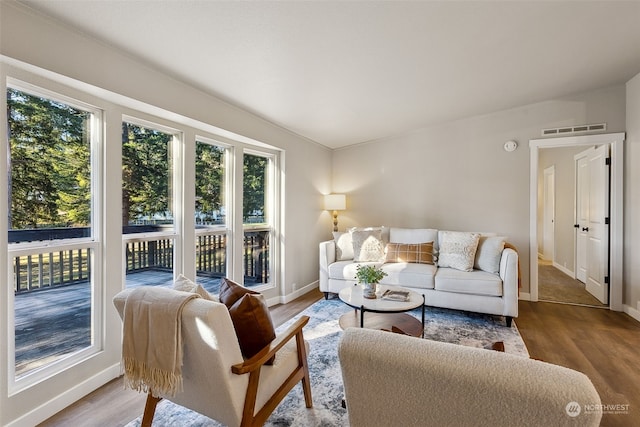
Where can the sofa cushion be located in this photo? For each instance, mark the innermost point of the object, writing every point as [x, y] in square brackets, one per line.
[345, 270]
[421, 253]
[412, 235]
[409, 274]
[458, 250]
[468, 282]
[367, 245]
[344, 246]
[489, 253]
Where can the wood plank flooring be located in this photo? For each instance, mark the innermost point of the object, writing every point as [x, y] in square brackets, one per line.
[601, 343]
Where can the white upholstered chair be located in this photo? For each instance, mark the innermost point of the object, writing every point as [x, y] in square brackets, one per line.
[218, 382]
[393, 379]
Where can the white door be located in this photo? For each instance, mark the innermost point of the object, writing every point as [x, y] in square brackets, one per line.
[598, 227]
[582, 214]
[548, 242]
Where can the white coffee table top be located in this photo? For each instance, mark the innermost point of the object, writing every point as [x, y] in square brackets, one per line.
[352, 296]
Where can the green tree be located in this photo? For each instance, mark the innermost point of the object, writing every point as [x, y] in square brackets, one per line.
[254, 182]
[209, 180]
[50, 180]
[146, 179]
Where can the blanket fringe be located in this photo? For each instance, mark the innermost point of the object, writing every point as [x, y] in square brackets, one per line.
[143, 378]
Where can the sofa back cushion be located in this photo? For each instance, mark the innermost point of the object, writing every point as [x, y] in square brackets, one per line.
[413, 235]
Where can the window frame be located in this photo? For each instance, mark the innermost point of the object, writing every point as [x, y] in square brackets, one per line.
[176, 170]
[16, 384]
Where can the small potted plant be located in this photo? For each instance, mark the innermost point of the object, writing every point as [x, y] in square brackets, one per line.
[369, 275]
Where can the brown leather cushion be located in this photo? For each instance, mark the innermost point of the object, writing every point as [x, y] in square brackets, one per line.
[421, 253]
[230, 292]
[253, 325]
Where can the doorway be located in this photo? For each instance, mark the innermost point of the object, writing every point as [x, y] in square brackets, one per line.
[614, 267]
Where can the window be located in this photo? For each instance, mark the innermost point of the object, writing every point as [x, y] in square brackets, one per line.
[211, 212]
[53, 232]
[258, 218]
[147, 203]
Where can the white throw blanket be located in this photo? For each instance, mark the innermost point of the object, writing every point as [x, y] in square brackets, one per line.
[152, 341]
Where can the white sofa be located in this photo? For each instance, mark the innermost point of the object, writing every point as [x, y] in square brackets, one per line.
[394, 380]
[479, 291]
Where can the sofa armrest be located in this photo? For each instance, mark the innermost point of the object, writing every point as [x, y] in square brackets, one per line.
[510, 281]
[327, 257]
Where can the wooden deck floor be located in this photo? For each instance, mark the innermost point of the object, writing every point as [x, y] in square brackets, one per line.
[52, 323]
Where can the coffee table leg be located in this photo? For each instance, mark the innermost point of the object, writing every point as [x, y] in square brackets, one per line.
[362, 316]
[423, 304]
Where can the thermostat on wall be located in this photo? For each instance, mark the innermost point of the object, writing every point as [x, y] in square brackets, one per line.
[510, 145]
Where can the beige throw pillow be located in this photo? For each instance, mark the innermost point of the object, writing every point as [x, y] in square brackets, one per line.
[419, 253]
[458, 250]
[367, 245]
[489, 254]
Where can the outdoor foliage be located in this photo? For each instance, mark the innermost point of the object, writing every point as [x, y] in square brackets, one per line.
[209, 182]
[50, 181]
[146, 179]
[50, 170]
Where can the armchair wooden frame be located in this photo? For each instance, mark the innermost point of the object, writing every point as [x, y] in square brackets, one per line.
[252, 367]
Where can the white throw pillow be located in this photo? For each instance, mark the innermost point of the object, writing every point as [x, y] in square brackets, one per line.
[184, 284]
[367, 245]
[489, 254]
[344, 246]
[458, 250]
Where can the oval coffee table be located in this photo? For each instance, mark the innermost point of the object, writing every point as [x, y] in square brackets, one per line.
[382, 313]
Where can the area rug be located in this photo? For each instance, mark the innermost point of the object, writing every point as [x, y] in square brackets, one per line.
[323, 333]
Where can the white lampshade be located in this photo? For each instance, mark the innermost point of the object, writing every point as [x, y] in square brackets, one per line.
[335, 202]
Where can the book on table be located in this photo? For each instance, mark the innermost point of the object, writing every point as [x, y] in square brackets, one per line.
[395, 295]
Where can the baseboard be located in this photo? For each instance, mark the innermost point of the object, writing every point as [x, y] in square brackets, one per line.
[565, 270]
[299, 292]
[524, 296]
[57, 404]
[284, 299]
[635, 313]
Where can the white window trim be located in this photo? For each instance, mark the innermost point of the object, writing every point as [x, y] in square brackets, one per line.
[94, 242]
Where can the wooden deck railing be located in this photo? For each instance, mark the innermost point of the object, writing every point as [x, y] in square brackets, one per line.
[59, 268]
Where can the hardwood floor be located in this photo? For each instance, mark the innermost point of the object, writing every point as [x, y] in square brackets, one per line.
[601, 343]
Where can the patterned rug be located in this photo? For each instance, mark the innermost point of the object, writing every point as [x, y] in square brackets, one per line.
[323, 333]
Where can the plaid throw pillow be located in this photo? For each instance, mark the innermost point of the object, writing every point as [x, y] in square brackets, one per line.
[420, 253]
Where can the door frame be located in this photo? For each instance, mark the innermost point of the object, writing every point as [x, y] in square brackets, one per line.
[616, 140]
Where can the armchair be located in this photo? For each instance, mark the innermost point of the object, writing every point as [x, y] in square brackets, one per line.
[218, 382]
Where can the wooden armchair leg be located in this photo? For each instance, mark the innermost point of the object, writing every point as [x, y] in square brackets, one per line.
[149, 410]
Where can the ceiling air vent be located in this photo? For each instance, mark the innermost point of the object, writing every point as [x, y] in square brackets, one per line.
[574, 129]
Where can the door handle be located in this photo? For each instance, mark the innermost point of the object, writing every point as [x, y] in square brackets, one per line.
[576, 225]
[585, 228]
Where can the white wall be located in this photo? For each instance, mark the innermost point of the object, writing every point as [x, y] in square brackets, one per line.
[632, 199]
[34, 40]
[562, 159]
[457, 175]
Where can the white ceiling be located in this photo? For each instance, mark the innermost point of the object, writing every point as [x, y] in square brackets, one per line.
[340, 73]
